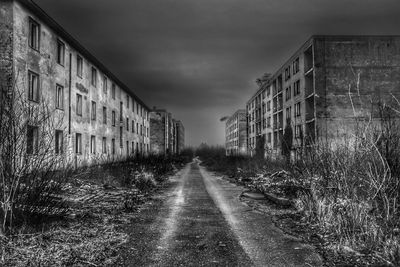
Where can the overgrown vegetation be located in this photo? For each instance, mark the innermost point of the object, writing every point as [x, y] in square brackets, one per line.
[29, 168]
[99, 201]
[50, 212]
[350, 191]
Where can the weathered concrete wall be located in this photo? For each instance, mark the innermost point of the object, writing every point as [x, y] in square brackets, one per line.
[170, 134]
[354, 76]
[180, 136]
[44, 63]
[6, 51]
[342, 80]
[242, 129]
[157, 133]
[163, 132]
[236, 134]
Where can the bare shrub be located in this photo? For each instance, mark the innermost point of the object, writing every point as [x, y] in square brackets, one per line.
[30, 171]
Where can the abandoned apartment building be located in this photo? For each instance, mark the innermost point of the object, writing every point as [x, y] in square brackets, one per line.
[101, 117]
[323, 89]
[167, 135]
[236, 134]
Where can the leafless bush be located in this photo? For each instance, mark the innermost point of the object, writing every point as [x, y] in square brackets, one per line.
[30, 171]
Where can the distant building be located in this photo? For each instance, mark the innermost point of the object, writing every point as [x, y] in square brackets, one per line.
[180, 136]
[98, 116]
[236, 134]
[165, 132]
[258, 124]
[323, 89]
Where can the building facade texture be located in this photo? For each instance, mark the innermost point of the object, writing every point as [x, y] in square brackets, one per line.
[328, 85]
[166, 133]
[98, 117]
[236, 134]
[179, 136]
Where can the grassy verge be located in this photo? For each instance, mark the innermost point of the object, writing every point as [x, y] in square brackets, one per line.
[100, 200]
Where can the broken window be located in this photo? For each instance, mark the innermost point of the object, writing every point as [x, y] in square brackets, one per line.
[296, 66]
[78, 143]
[104, 146]
[79, 66]
[288, 113]
[104, 115]
[34, 34]
[78, 105]
[32, 142]
[287, 73]
[93, 144]
[59, 138]
[93, 111]
[113, 146]
[288, 93]
[113, 118]
[120, 111]
[120, 137]
[113, 91]
[94, 77]
[296, 87]
[297, 109]
[105, 85]
[60, 52]
[33, 87]
[59, 96]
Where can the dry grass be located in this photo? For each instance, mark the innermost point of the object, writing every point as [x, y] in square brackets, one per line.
[78, 244]
[91, 236]
[349, 192]
[101, 202]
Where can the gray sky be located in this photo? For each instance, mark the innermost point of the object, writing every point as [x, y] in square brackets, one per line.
[200, 58]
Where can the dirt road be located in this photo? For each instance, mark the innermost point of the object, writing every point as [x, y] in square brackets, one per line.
[199, 221]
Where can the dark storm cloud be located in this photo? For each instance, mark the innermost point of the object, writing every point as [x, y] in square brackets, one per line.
[199, 59]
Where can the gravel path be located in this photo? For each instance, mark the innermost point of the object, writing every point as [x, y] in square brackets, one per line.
[198, 220]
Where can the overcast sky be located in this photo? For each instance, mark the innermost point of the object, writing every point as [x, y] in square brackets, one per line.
[200, 58]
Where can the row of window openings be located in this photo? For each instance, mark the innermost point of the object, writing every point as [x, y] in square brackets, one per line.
[233, 135]
[298, 133]
[233, 143]
[295, 68]
[296, 90]
[33, 95]
[33, 142]
[267, 122]
[78, 145]
[34, 42]
[113, 117]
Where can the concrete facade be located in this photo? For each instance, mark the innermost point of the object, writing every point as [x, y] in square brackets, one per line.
[166, 133]
[236, 134]
[259, 116]
[328, 85]
[101, 117]
[179, 136]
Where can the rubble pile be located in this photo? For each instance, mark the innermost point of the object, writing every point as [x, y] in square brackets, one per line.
[280, 183]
